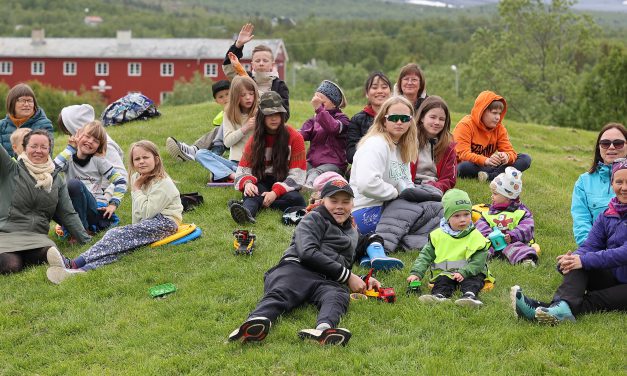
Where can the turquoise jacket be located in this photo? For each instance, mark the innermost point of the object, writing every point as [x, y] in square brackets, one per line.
[37, 121]
[591, 195]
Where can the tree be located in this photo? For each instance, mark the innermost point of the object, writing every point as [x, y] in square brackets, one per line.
[534, 58]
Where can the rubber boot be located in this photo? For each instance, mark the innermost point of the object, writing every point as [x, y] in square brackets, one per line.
[365, 262]
[379, 260]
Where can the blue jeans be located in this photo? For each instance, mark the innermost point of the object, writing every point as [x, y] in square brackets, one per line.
[367, 219]
[220, 167]
[86, 206]
[470, 170]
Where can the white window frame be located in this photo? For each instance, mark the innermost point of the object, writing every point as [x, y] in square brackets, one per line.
[163, 95]
[211, 70]
[37, 64]
[6, 68]
[67, 65]
[103, 72]
[134, 69]
[167, 69]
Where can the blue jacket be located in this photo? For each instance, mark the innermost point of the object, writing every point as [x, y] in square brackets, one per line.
[591, 195]
[37, 121]
[606, 246]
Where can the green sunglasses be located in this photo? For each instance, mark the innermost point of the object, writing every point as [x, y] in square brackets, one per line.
[396, 117]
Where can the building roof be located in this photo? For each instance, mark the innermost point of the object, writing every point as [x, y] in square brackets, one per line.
[137, 48]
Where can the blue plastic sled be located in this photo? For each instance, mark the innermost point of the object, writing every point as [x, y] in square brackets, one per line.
[188, 238]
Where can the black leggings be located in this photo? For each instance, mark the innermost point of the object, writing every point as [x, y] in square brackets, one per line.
[13, 262]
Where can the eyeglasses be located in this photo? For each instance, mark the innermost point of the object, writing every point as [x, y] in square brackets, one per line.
[25, 101]
[412, 80]
[39, 147]
[396, 117]
[618, 144]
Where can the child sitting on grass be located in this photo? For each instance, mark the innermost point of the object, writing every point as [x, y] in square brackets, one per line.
[212, 140]
[316, 269]
[512, 217]
[456, 254]
[157, 213]
[326, 132]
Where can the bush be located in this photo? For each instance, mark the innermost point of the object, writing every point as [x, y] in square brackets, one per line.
[196, 90]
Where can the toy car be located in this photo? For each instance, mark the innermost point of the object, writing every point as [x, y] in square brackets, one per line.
[244, 242]
[414, 287]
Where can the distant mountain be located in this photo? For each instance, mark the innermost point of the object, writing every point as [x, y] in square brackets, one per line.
[583, 5]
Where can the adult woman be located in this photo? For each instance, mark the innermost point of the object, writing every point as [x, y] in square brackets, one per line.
[592, 190]
[437, 160]
[31, 194]
[22, 112]
[595, 276]
[411, 84]
[378, 89]
[381, 164]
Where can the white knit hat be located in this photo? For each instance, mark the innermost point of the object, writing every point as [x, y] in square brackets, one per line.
[508, 183]
[77, 116]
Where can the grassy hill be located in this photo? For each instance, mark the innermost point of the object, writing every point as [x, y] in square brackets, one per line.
[106, 323]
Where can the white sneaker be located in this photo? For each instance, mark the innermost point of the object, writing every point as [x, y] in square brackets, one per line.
[55, 258]
[437, 298]
[482, 176]
[469, 300]
[57, 274]
[180, 150]
[528, 262]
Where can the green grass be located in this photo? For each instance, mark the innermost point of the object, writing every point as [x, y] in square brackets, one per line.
[106, 323]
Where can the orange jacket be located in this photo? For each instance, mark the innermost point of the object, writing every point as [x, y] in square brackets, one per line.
[475, 142]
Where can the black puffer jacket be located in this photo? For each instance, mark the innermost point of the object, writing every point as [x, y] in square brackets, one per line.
[359, 125]
[322, 245]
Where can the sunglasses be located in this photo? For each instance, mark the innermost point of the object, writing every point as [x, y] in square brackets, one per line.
[618, 144]
[395, 118]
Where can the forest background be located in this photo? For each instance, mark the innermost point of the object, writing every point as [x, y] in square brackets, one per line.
[553, 64]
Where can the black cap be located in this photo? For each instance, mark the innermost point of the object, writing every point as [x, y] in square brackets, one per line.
[219, 86]
[334, 186]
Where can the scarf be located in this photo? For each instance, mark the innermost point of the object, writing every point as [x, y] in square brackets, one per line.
[617, 207]
[264, 80]
[19, 121]
[444, 226]
[41, 172]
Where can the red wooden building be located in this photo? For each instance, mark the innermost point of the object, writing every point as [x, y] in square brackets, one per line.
[117, 66]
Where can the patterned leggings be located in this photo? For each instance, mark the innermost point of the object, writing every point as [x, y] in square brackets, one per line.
[121, 240]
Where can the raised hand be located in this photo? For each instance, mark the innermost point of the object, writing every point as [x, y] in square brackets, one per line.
[245, 35]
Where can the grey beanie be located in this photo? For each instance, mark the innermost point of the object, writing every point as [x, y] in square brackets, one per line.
[332, 91]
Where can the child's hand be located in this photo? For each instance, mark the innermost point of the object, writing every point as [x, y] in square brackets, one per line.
[569, 263]
[245, 35]
[316, 101]
[268, 198]
[250, 124]
[73, 140]
[493, 161]
[412, 278]
[108, 211]
[508, 238]
[356, 284]
[458, 277]
[250, 190]
[504, 157]
[373, 284]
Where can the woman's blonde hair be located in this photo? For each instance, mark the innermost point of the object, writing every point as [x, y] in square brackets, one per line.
[158, 172]
[408, 142]
[232, 111]
[97, 131]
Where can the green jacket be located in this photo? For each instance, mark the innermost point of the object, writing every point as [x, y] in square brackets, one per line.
[476, 262]
[26, 211]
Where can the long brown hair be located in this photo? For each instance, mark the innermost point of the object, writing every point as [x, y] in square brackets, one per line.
[597, 148]
[280, 149]
[158, 172]
[445, 137]
[233, 110]
[407, 142]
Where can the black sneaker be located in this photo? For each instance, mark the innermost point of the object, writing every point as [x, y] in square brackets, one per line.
[240, 214]
[254, 329]
[469, 300]
[233, 201]
[329, 336]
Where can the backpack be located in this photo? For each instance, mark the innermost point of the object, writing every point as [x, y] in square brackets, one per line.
[134, 106]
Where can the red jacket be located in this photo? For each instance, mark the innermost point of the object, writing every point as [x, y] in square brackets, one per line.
[446, 170]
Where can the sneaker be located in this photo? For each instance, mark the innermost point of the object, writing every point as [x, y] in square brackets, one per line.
[329, 336]
[524, 308]
[437, 298]
[469, 299]
[528, 262]
[254, 329]
[233, 201]
[55, 258]
[58, 274]
[180, 150]
[240, 214]
[554, 314]
[482, 176]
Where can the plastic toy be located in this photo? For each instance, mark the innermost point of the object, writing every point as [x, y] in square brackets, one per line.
[386, 294]
[414, 287]
[184, 230]
[497, 239]
[162, 290]
[188, 238]
[244, 242]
